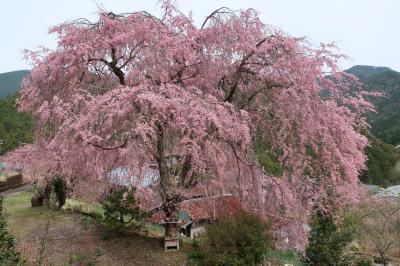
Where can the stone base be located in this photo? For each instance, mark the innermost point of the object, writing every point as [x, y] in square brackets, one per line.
[171, 244]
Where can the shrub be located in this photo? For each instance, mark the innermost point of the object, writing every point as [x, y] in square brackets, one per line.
[60, 189]
[380, 227]
[74, 206]
[327, 241]
[241, 240]
[121, 210]
[52, 191]
[8, 253]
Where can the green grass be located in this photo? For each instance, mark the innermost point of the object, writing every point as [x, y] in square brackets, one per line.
[284, 257]
[78, 239]
[21, 217]
[78, 206]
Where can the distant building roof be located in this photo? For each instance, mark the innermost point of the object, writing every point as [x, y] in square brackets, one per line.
[393, 191]
[122, 176]
[397, 148]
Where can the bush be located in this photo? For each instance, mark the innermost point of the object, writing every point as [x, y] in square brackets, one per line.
[60, 190]
[52, 191]
[121, 210]
[74, 206]
[8, 253]
[242, 240]
[380, 227]
[327, 241]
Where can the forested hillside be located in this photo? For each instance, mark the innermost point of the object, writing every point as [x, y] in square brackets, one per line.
[380, 165]
[386, 122]
[10, 82]
[15, 127]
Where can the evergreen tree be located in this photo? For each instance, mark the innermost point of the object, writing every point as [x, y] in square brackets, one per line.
[8, 253]
[327, 241]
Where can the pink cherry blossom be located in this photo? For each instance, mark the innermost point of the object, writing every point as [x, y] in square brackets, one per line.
[135, 91]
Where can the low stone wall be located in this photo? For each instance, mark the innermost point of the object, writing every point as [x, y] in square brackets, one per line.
[12, 182]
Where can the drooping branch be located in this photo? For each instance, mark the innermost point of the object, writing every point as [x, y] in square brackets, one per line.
[132, 54]
[179, 76]
[222, 10]
[253, 165]
[268, 86]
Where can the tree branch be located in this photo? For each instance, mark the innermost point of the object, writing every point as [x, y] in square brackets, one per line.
[241, 69]
[119, 146]
[255, 93]
[215, 12]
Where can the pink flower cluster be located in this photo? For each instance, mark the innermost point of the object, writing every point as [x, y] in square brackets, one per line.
[116, 91]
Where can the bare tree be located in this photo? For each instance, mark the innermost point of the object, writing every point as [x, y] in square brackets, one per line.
[380, 226]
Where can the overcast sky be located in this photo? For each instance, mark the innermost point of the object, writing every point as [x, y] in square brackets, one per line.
[368, 31]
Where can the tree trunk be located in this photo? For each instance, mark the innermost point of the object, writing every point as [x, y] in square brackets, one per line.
[171, 211]
[169, 198]
[172, 226]
[384, 259]
[171, 230]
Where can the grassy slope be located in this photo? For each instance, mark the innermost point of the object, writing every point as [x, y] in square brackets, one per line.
[22, 219]
[71, 240]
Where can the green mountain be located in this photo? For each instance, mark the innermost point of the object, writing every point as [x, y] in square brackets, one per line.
[10, 82]
[15, 127]
[385, 124]
[364, 72]
[380, 164]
